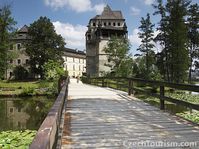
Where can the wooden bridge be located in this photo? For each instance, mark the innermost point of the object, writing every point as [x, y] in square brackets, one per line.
[101, 117]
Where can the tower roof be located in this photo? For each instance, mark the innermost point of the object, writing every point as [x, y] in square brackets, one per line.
[108, 13]
[24, 29]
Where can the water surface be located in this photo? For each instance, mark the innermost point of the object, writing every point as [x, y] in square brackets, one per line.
[23, 113]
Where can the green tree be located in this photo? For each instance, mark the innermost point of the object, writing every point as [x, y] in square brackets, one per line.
[119, 58]
[193, 36]
[6, 28]
[53, 70]
[146, 35]
[177, 39]
[162, 39]
[44, 45]
[20, 73]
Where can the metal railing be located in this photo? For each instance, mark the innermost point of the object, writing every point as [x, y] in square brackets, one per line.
[46, 137]
[128, 83]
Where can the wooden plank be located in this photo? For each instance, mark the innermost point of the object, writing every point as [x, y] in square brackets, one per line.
[110, 120]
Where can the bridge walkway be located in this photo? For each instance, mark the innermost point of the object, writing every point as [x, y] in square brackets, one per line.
[98, 117]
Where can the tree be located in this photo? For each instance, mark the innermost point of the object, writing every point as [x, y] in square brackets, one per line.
[20, 73]
[6, 28]
[53, 70]
[119, 58]
[193, 36]
[177, 40]
[44, 45]
[162, 39]
[146, 35]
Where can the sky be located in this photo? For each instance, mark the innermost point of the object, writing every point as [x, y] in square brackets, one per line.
[71, 17]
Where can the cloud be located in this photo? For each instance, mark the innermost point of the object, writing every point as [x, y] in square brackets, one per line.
[99, 8]
[148, 2]
[74, 35]
[134, 11]
[75, 5]
[134, 39]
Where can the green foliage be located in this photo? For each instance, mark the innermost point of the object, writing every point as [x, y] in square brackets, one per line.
[20, 73]
[194, 117]
[146, 35]
[119, 59]
[6, 28]
[140, 70]
[193, 37]
[53, 70]
[85, 79]
[44, 45]
[26, 91]
[16, 139]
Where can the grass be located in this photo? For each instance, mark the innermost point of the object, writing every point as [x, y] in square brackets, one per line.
[18, 88]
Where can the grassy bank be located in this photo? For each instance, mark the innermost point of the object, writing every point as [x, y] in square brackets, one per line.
[26, 88]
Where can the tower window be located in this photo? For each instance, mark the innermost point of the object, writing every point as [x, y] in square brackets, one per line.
[89, 37]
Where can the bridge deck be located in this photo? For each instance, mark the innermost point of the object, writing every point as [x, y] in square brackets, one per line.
[104, 118]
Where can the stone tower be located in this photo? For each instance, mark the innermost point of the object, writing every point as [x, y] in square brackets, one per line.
[100, 29]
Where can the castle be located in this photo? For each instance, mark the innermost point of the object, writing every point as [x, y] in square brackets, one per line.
[100, 30]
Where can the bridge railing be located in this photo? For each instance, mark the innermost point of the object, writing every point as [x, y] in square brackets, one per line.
[128, 84]
[47, 135]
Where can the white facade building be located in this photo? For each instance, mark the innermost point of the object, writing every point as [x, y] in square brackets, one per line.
[74, 62]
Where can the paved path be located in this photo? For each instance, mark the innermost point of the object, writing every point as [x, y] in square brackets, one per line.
[104, 118]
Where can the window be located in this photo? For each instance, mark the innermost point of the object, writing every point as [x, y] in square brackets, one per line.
[11, 110]
[18, 46]
[79, 60]
[94, 24]
[19, 61]
[11, 74]
[118, 24]
[89, 37]
[73, 59]
[27, 60]
[104, 23]
[11, 61]
[109, 23]
[113, 23]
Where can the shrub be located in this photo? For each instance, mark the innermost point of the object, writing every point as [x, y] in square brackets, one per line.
[20, 73]
[28, 91]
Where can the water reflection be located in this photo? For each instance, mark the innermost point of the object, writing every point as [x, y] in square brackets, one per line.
[23, 113]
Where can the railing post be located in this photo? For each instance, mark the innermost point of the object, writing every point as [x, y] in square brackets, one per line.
[103, 85]
[130, 87]
[162, 105]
